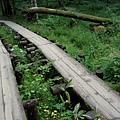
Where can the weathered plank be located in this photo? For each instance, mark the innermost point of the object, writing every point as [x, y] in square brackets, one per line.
[87, 84]
[1, 98]
[11, 107]
[92, 89]
[36, 39]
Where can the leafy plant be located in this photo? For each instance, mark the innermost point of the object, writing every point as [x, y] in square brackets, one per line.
[78, 39]
[78, 114]
[20, 52]
[65, 91]
[111, 70]
[97, 117]
[50, 22]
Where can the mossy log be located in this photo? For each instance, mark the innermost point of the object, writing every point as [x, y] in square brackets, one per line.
[76, 15]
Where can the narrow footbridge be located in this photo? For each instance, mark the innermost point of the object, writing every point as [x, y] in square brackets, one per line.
[11, 107]
[91, 88]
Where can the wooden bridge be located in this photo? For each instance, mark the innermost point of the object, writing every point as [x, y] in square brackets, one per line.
[10, 103]
[91, 88]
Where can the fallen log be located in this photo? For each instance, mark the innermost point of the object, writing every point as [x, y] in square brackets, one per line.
[76, 15]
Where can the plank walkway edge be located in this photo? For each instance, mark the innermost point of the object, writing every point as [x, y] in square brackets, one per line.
[92, 89]
[11, 107]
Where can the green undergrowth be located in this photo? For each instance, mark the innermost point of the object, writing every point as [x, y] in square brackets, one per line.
[101, 49]
[37, 80]
[37, 87]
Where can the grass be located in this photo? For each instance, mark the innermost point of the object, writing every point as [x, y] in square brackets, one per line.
[102, 50]
[79, 37]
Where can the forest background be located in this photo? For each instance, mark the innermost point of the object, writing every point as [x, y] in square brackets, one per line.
[100, 43]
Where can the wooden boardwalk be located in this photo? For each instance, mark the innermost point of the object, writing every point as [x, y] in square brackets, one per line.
[10, 103]
[92, 89]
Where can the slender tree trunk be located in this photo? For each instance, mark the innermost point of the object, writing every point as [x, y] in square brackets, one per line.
[34, 4]
[80, 16]
[78, 2]
[1, 4]
[14, 9]
[7, 7]
[60, 3]
[47, 3]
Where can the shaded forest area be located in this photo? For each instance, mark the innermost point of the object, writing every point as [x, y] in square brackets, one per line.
[97, 42]
[9, 6]
[103, 34]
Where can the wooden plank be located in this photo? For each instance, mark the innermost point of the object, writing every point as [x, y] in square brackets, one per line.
[6, 93]
[36, 39]
[2, 117]
[17, 105]
[6, 90]
[89, 95]
[73, 73]
[12, 104]
[92, 89]
[59, 54]
[91, 79]
[83, 72]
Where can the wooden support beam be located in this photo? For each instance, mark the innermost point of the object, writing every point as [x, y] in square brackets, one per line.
[31, 49]
[31, 107]
[99, 73]
[56, 88]
[23, 42]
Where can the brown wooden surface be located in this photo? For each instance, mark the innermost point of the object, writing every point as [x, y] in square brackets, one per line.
[91, 88]
[10, 103]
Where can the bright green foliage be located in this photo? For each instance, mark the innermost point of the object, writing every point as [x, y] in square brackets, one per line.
[36, 86]
[102, 51]
[20, 52]
[111, 69]
[78, 114]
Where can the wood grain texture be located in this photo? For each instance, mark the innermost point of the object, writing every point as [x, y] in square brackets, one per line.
[11, 107]
[91, 88]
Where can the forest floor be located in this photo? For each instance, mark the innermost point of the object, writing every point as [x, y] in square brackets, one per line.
[100, 46]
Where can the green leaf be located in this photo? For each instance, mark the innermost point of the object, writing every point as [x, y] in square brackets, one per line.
[62, 88]
[76, 108]
[62, 99]
[69, 84]
[97, 115]
[68, 96]
[80, 113]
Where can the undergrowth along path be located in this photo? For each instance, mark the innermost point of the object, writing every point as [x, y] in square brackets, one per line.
[91, 88]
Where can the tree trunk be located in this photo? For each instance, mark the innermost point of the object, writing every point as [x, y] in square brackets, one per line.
[80, 16]
[1, 4]
[34, 4]
[59, 3]
[7, 7]
[14, 9]
[47, 3]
